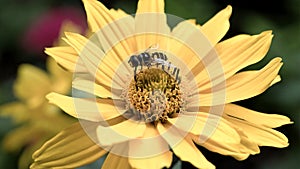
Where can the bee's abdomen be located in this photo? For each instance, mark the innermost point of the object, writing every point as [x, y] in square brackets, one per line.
[159, 55]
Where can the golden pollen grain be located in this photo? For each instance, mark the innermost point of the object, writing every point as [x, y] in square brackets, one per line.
[154, 95]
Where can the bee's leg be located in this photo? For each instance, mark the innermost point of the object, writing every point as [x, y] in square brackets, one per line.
[179, 80]
[174, 71]
[169, 66]
[163, 67]
[135, 68]
[177, 74]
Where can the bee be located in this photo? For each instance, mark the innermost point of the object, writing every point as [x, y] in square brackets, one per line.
[171, 69]
[149, 59]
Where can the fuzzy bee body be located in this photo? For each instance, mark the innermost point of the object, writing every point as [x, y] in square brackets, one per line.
[151, 59]
[171, 69]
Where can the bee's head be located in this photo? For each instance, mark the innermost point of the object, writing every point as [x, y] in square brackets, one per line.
[131, 60]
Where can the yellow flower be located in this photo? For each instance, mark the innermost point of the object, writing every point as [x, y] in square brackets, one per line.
[34, 115]
[149, 88]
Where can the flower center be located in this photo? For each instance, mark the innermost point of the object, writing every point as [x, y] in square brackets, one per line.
[154, 95]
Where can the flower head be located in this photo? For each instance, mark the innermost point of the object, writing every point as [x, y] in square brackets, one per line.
[147, 88]
[32, 113]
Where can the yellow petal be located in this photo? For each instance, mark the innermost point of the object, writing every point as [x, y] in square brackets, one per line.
[262, 119]
[67, 57]
[150, 6]
[92, 88]
[67, 26]
[103, 70]
[61, 80]
[158, 161]
[121, 132]
[25, 159]
[251, 83]
[115, 160]
[88, 109]
[111, 27]
[243, 50]
[147, 36]
[241, 86]
[18, 111]
[233, 55]
[29, 76]
[98, 15]
[247, 144]
[63, 150]
[263, 136]
[217, 27]
[183, 148]
[17, 139]
[119, 14]
[209, 126]
[89, 53]
[150, 13]
[191, 46]
[224, 149]
[150, 150]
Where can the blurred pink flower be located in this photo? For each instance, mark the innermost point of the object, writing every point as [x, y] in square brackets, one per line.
[45, 29]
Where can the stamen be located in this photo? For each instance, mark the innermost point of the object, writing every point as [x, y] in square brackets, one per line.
[154, 96]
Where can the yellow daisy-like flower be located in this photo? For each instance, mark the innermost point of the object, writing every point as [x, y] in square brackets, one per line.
[32, 112]
[34, 115]
[151, 91]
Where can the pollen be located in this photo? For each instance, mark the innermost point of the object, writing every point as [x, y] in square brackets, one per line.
[154, 96]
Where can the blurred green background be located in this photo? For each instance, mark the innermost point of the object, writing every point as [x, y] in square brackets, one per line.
[22, 40]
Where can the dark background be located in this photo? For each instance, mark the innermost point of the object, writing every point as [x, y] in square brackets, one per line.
[18, 30]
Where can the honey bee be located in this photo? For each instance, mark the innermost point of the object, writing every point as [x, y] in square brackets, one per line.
[149, 59]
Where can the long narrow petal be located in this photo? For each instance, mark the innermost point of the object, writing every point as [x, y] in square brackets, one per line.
[67, 57]
[61, 79]
[92, 56]
[63, 150]
[150, 6]
[241, 86]
[17, 111]
[158, 161]
[262, 119]
[233, 54]
[224, 149]
[88, 109]
[183, 148]
[121, 132]
[239, 151]
[200, 40]
[217, 27]
[191, 46]
[111, 27]
[16, 139]
[209, 126]
[263, 136]
[251, 83]
[29, 76]
[99, 16]
[95, 89]
[117, 158]
[151, 150]
[151, 13]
